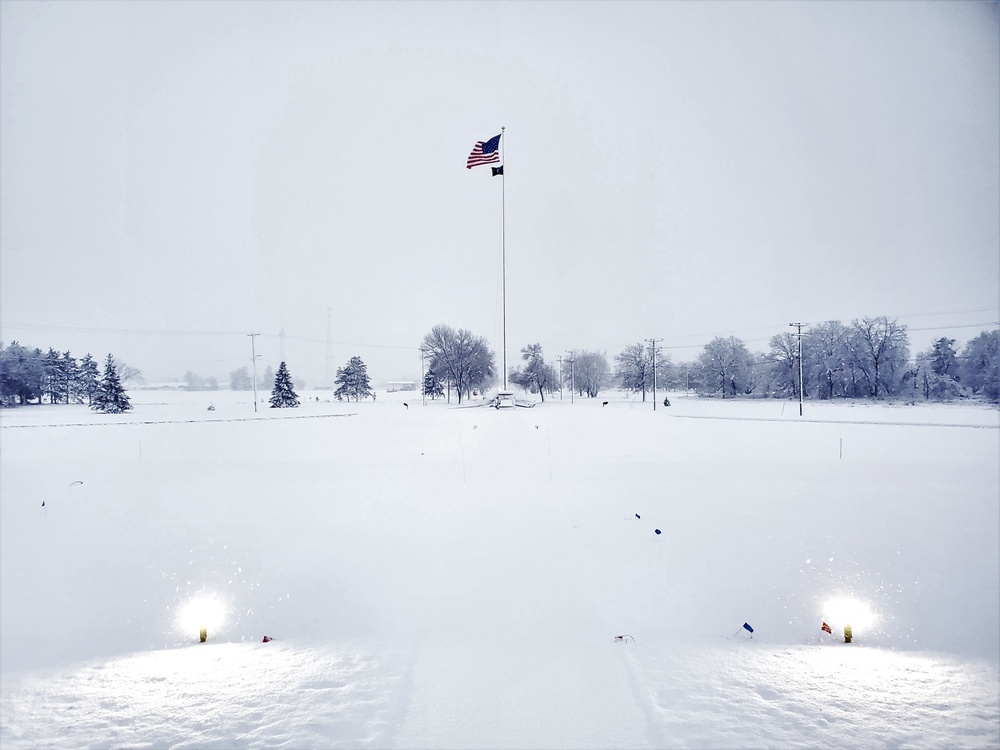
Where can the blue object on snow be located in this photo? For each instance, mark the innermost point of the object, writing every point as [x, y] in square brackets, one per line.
[746, 626]
[637, 515]
[656, 530]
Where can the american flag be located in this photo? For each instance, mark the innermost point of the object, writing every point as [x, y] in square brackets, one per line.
[484, 153]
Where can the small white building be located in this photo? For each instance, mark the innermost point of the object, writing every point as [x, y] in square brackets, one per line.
[400, 385]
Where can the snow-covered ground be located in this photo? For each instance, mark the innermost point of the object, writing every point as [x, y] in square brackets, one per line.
[444, 577]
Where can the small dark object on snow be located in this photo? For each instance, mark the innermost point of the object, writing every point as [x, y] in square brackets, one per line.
[43, 503]
[624, 638]
[211, 407]
[406, 405]
[605, 403]
[267, 639]
[637, 515]
[657, 531]
[666, 401]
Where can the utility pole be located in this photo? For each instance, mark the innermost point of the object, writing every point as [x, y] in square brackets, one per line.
[253, 360]
[652, 344]
[572, 375]
[423, 391]
[799, 335]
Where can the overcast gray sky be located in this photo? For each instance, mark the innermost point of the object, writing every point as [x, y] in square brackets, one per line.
[175, 175]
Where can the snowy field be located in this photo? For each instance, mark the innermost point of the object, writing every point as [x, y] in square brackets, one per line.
[436, 577]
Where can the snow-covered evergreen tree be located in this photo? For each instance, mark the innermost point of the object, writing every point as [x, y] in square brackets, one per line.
[352, 381]
[433, 386]
[88, 381]
[71, 371]
[110, 397]
[55, 377]
[283, 396]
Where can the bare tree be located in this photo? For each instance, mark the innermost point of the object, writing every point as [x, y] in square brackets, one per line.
[459, 357]
[723, 361]
[591, 372]
[536, 375]
[754, 373]
[634, 368]
[826, 359]
[981, 364]
[784, 358]
[127, 373]
[880, 349]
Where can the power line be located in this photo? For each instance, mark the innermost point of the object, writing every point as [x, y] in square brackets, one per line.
[175, 332]
[329, 343]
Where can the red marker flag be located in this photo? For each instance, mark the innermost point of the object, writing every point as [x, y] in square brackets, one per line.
[826, 628]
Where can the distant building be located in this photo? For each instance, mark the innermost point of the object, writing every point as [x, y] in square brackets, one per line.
[401, 385]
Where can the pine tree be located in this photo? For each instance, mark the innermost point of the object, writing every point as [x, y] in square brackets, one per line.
[433, 386]
[353, 382]
[283, 396]
[55, 377]
[110, 397]
[88, 379]
[944, 361]
[71, 373]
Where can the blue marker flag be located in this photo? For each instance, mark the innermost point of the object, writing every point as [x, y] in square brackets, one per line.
[746, 626]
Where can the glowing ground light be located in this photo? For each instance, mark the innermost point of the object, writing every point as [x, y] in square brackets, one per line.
[849, 614]
[204, 614]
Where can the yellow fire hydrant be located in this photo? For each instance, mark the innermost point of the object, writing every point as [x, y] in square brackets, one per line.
[848, 633]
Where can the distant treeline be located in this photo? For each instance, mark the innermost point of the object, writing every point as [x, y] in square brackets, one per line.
[868, 358]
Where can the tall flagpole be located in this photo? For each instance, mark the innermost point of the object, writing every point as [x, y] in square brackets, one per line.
[503, 257]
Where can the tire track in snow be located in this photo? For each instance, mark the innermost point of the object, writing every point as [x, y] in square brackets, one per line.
[838, 421]
[173, 421]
